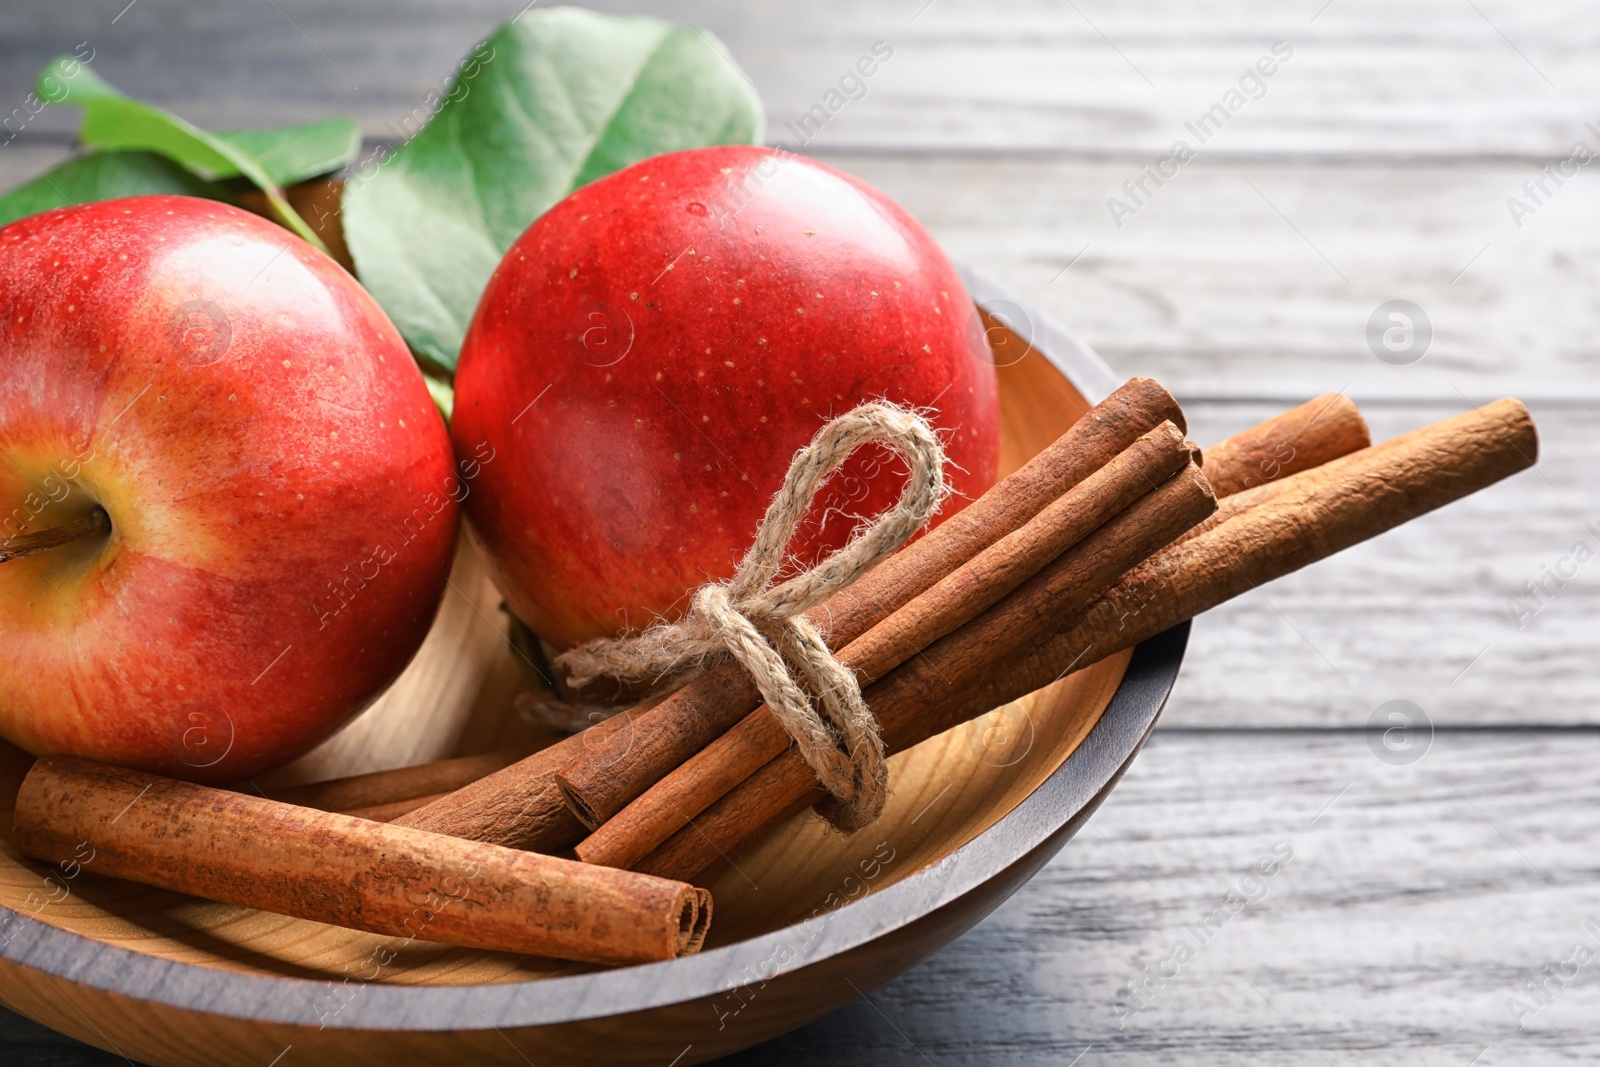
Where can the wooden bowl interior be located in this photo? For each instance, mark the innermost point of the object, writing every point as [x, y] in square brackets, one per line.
[944, 792]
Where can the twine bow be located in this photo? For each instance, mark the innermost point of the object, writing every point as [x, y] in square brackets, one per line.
[763, 625]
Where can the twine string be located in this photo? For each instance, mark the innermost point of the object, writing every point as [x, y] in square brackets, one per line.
[762, 625]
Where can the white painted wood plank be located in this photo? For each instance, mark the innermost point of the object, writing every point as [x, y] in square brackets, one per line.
[1254, 279]
[1258, 279]
[1416, 905]
[1428, 78]
[1428, 612]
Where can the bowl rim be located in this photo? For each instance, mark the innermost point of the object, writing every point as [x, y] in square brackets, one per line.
[1053, 809]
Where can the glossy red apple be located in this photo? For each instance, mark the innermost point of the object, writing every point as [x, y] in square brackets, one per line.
[264, 493]
[652, 351]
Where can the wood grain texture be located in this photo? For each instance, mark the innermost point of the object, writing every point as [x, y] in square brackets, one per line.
[1252, 278]
[1422, 612]
[1418, 902]
[1447, 79]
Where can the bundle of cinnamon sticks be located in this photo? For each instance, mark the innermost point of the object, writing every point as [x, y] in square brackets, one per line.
[1117, 531]
[1106, 538]
[1026, 560]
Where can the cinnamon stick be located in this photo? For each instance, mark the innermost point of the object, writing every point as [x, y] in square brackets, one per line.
[606, 778]
[381, 788]
[394, 809]
[954, 600]
[1264, 533]
[1055, 597]
[1303, 437]
[337, 869]
[518, 806]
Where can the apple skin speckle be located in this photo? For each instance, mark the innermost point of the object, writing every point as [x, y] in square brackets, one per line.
[807, 292]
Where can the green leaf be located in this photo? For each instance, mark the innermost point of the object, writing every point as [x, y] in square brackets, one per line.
[112, 120]
[103, 176]
[443, 393]
[292, 154]
[551, 101]
[287, 154]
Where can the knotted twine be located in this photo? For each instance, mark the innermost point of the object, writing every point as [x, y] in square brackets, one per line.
[763, 625]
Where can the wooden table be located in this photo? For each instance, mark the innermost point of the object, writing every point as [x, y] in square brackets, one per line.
[1425, 891]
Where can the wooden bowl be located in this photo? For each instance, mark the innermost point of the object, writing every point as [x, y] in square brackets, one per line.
[806, 920]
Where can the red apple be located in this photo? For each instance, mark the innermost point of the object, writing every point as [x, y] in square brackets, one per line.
[652, 351]
[264, 491]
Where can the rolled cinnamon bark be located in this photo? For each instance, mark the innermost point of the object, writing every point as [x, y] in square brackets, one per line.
[403, 784]
[1301, 438]
[1264, 533]
[954, 600]
[612, 773]
[518, 806]
[333, 868]
[1054, 598]
[394, 809]
[1305, 436]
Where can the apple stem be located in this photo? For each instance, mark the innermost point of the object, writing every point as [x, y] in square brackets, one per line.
[96, 523]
